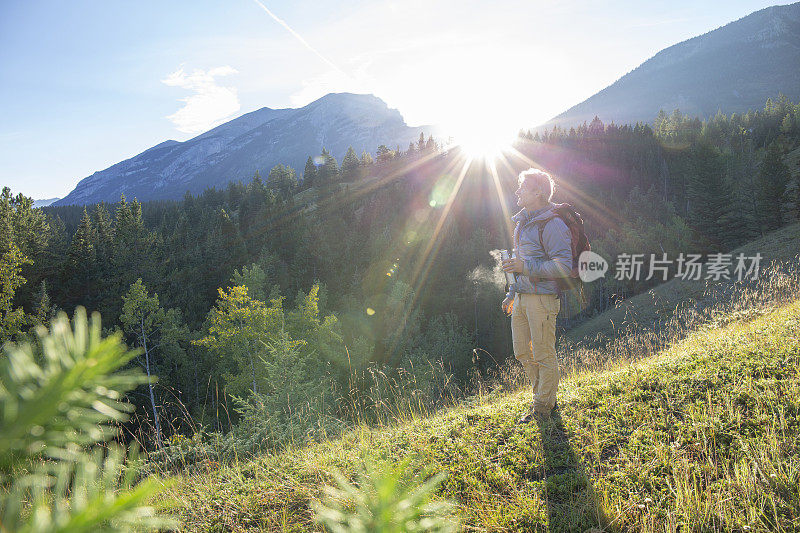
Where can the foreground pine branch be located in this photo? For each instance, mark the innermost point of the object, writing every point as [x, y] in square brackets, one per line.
[58, 399]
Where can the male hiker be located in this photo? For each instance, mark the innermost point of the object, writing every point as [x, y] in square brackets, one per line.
[539, 259]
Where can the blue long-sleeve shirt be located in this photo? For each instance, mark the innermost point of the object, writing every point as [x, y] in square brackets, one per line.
[552, 261]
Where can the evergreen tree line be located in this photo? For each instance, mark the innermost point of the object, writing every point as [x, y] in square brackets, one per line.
[680, 185]
[164, 271]
[290, 294]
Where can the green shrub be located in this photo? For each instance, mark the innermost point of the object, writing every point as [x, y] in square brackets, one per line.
[386, 498]
[59, 399]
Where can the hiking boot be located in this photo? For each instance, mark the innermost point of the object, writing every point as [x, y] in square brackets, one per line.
[533, 415]
[527, 418]
[541, 417]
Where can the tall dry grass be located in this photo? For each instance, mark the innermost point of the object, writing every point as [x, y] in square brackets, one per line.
[379, 396]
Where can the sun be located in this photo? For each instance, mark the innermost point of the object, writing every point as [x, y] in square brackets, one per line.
[484, 139]
[480, 145]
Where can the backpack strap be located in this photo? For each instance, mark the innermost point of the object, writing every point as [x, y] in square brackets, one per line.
[541, 224]
[561, 289]
[560, 281]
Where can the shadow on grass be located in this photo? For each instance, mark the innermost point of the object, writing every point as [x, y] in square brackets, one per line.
[572, 504]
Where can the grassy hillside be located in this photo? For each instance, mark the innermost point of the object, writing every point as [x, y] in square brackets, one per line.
[701, 436]
[661, 301]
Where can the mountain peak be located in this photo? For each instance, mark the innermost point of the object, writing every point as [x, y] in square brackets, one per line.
[366, 109]
[345, 97]
[733, 68]
[44, 202]
[255, 141]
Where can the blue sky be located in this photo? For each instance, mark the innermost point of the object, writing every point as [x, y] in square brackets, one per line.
[86, 84]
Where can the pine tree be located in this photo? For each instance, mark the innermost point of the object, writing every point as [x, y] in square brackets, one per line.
[29, 231]
[135, 251]
[661, 123]
[24, 236]
[104, 231]
[328, 172]
[83, 262]
[430, 145]
[366, 160]
[596, 127]
[154, 331]
[62, 397]
[384, 154]
[351, 166]
[255, 279]
[129, 224]
[309, 173]
[12, 319]
[283, 178]
[104, 256]
[231, 242]
[386, 497]
[43, 310]
[739, 222]
[708, 198]
[773, 178]
[787, 124]
[22, 225]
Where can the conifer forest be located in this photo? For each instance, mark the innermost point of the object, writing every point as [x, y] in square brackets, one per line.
[293, 292]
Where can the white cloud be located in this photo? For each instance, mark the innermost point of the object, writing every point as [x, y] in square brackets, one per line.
[209, 106]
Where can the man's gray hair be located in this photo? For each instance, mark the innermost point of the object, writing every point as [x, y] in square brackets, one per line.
[541, 180]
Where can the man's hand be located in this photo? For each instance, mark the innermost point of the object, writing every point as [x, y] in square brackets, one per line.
[508, 305]
[515, 264]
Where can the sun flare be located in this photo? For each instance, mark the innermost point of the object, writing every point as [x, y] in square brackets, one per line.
[483, 146]
[483, 139]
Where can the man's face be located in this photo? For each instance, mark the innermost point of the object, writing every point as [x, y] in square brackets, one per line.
[527, 194]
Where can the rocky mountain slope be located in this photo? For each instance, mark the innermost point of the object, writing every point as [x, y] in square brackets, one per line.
[44, 202]
[733, 69]
[253, 142]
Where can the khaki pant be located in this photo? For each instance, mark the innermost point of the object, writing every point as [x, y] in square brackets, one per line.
[533, 330]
